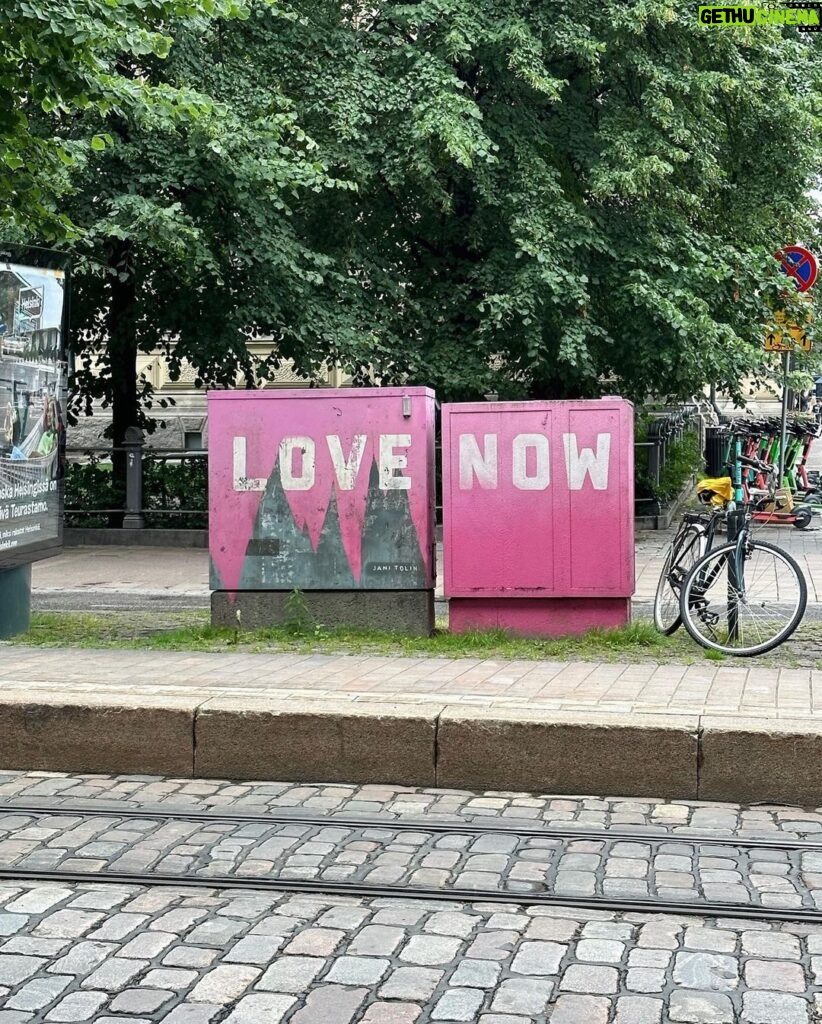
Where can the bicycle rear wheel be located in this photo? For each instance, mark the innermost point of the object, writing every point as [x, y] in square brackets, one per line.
[747, 607]
[683, 552]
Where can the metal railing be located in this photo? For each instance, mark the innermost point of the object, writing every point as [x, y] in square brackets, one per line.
[148, 501]
[667, 428]
[150, 498]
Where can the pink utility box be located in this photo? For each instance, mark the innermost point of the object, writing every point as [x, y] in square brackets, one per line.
[538, 515]
[329, 492]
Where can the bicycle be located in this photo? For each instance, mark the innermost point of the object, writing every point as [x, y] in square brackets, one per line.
[746, 596]
[693, 539]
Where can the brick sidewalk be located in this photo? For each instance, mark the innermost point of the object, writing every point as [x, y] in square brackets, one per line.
[738, 690]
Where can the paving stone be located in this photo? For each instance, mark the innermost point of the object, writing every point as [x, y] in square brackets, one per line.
[192, 1013]
[492, 945]
[476, 974]
[453, 923]
[410, 983]
[645, 979]
[291, 974]
[77, 1006]
[83, 957]
[460, 1004]
[589, 979]
[257, 1008]
[344, 917]
[523, 996]
[67, 924]
[712, 939]
[39, 900]
[118, 926]
[38, 992]
[706, 971]
[376, 940]
[774, 1008]
[315, 942]
[580, 1010]
[779, 976]
[140, 1000]
[503, 1018]
[224, 983]
[254, 949]
[538, 958]
[391, 1013]
[174, 979]
[551, 928]
[357, 970]
[218, 931]
[147, 945]
[330, 1004]
[427, 950]
[10, 924]
[638, 1010]
[704, 1007]
[14, 969]
[599, 951]
[649, 958]
[771, 944]
[115, 974]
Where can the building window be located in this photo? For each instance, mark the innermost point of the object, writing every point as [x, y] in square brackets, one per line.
[193, 440]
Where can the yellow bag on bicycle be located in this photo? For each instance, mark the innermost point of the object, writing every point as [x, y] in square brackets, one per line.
[717, 490]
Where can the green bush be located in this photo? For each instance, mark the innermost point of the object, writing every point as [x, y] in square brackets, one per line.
[683, 460]
[175, 494]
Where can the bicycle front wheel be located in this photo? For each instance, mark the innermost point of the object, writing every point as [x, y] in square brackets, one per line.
[682, 554]
[743, 603]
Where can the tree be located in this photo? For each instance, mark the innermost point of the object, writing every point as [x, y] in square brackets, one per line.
[481, 195]
[62, 57]
[554, 199]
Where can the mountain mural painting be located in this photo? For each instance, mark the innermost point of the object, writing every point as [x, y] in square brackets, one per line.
[322, 490]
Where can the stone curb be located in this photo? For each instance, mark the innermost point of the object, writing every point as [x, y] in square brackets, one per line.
[337, 741]
[685, 757]
[562, 752]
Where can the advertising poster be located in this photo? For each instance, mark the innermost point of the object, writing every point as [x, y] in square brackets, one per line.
[33, 377]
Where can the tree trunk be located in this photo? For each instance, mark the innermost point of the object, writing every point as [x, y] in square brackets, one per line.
[122, 339]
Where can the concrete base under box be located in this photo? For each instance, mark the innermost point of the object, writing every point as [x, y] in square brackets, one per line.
[399, 611]
[538, 616]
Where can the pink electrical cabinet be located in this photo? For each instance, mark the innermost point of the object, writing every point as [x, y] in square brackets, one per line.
[538, 513]
[321, 489]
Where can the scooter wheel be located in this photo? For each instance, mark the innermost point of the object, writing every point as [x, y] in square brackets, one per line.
[802, 518]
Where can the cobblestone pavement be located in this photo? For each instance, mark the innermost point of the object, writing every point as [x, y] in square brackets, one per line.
[742, 688]
[109, 953]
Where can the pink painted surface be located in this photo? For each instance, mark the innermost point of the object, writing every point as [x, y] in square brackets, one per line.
[536, 616]
[551, 516]
[264, 418]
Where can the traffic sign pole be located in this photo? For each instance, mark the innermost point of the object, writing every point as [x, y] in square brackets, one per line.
[783, 437]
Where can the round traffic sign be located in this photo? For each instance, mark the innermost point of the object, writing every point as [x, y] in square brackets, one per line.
[800, 264]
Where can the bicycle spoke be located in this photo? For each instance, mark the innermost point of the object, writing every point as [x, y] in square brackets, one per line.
[743, 608]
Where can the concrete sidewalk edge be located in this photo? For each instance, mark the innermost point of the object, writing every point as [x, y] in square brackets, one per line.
[688, 757]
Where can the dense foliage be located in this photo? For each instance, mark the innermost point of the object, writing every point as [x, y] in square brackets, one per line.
[542, 200]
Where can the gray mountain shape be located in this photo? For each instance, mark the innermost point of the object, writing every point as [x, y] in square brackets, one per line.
[279, 556]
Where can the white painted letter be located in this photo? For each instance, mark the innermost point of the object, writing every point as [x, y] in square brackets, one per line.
[482, 464]
[389, 461]
[578, 463]
[305, 481]
[241, 481]
[346, 469]
[540, 480]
